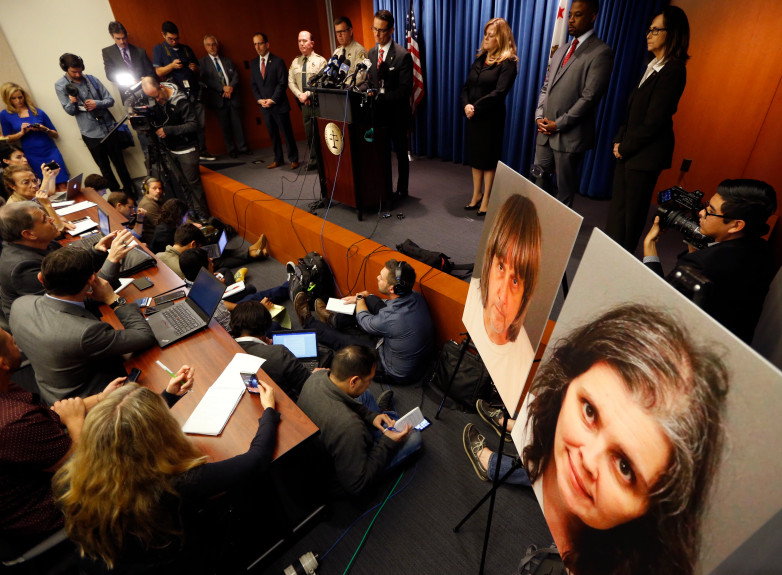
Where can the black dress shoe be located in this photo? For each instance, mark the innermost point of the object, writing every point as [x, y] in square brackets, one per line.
[234, 154]
[480, 214]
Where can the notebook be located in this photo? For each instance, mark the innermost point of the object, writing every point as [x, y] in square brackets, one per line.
[301, 343]
[214, 251]
[191, 315]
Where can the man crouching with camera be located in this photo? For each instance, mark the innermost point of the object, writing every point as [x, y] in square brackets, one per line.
[738, 262]
[174, 121]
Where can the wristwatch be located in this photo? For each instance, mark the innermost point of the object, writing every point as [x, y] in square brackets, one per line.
[118, 302]
[359, 296]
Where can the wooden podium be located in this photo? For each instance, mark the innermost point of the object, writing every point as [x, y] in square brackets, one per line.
[356, 157]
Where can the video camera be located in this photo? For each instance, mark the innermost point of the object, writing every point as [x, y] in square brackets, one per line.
[678, 209]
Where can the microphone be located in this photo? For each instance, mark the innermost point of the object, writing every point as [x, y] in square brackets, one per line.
[324, 72]
[343, 72]
[72, 90]
[335, 67]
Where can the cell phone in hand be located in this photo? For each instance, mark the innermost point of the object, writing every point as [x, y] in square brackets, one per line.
[52, 165]
[251, 382]
[134, 375]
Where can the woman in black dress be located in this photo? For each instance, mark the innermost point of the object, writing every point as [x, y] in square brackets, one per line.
[643, 147]
[483, 98]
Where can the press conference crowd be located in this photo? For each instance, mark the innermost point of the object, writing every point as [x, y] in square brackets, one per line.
[86, 451]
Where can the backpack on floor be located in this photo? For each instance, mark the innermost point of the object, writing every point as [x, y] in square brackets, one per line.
[471, 382]
[312, 276]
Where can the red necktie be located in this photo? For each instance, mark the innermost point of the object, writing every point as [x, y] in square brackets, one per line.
[570, 52]
[263, 68]
[380, 57]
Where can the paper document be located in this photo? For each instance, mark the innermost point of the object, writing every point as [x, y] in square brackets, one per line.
[414, 417]
[232, 289]
[280, 315]
[339, 306]
[215, 408]
[74, 208]
[64, 204]
[82, 226]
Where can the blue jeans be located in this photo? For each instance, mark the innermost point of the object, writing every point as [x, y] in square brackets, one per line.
[409, 445]
[518, 477]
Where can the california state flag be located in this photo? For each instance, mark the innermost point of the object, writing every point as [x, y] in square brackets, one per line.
[560, 27]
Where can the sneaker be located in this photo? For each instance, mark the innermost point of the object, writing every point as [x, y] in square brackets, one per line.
[207, 157]
[290, 268]
[302, 306]
[491, 416]
[385, 399]
[239, 275]
[322, 314]
[474, 443]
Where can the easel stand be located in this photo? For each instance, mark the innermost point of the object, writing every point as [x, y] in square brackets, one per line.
[492, 493]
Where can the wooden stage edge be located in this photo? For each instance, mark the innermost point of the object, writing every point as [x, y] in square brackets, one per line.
[354, 260]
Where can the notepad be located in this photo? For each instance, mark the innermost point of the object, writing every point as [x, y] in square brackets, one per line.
[74, 208]
[215, 408]
[414, 417]
[339, 306]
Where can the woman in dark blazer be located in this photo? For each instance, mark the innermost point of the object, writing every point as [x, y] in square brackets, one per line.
[643, 146]
[483, 98]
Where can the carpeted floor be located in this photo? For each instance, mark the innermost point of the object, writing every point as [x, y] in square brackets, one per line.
[413, 533]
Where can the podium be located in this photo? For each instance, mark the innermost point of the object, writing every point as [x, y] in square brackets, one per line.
[356, 158]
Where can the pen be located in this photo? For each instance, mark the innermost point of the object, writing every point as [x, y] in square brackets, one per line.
[171, 373]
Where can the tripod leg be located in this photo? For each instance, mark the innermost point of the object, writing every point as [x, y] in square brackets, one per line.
[446, 391]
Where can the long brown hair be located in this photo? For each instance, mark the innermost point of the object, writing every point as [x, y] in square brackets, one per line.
[128, 458]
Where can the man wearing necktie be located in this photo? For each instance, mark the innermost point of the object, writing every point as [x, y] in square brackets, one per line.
[219, 79]
[124, 63]
[302, 69]
[578, 76]
[347, 47]
[269, 78]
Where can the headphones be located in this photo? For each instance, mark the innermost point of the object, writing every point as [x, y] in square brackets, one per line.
[145, 185]
[400, 287]
[68, 60]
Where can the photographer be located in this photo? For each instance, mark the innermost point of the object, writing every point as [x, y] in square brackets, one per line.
[174, 122]
[86, 98]
[738, 262]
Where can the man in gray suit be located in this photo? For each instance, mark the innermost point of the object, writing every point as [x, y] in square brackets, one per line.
[578, 76]
[72, 352]
[219, 79]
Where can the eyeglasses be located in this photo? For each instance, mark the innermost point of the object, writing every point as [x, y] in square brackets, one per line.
[380, 30]
[708, 207]
[340, 32]
[655, 31]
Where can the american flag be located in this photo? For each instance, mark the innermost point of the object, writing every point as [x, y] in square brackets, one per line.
[411, 32]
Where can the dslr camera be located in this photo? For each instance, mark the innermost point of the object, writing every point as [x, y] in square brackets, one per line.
[678, 209]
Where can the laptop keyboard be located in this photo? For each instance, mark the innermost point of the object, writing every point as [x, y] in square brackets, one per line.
[181, 319]
[91, 240]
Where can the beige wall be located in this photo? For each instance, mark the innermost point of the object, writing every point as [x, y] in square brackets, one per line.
[33, 35]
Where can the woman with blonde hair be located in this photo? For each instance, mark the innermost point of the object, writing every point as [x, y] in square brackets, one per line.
[30, 127]
[491, 77]
[131, 491]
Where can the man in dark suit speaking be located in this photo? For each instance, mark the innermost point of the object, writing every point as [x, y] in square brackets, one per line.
[391, 73]
[124, 63]
[269, 83]
[578, 76]
[219, 79]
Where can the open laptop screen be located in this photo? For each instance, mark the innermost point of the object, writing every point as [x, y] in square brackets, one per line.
[302, 344]
[103, 222]
[206, 292]
[222, 241]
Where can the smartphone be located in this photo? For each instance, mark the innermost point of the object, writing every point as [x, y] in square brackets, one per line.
[52, 165]
[251, 382]
[423, 425]
[134, 375]
[142, 283]
[169, 297]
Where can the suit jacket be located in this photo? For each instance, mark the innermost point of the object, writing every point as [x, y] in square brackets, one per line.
[571, 93]
[741, 272]
[113, 64]
[273, 86]
[396, 71]
[281, 365]
[212, 87]
[646, 137]
[72, 352]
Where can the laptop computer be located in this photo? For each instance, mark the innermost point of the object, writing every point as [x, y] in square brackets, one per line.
[302, 343]
[214, 251]
[104, 229]
[191, 315]
[71, 190]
